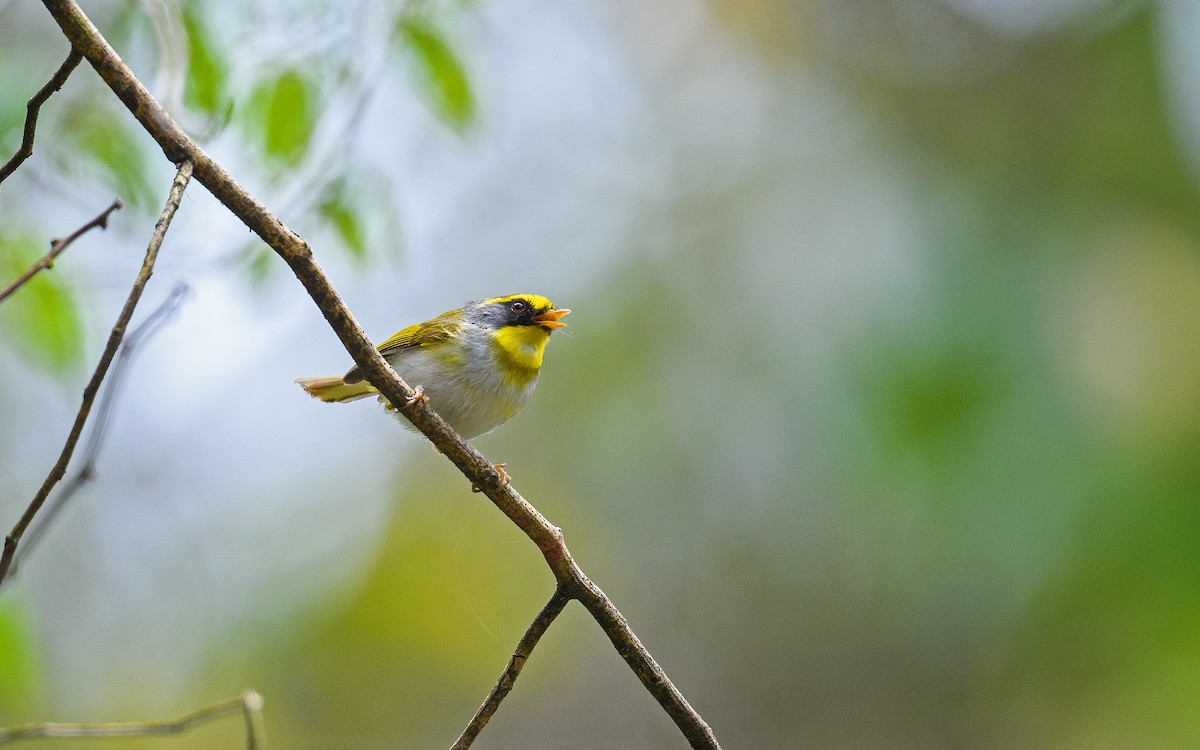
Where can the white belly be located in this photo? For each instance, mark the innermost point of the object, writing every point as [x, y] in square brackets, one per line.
[472, 401]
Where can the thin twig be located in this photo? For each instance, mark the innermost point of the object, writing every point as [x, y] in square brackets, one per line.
[57, 247]
[509, 676]
[178, 147]
[110, 350]
[249, 704]
[34, 107]
[91, 448]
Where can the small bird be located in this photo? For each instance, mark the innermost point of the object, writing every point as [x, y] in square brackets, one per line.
[477, 364]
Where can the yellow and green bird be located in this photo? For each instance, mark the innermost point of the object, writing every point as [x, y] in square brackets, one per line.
[478, 364]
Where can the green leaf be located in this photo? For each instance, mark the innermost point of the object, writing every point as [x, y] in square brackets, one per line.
[344, 218]
[40, 320]
[258, 260]
[442, 76]
[103, 137]
[205, 89]
[12, 119]
[18, 678]
[285, 108]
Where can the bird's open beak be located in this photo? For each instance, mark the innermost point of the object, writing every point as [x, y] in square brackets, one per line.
[550, 319]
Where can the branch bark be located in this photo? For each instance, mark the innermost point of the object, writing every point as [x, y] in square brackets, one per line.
[179, 147]
[249, 704]
[57, 248]
[34, 107]
[93, 387]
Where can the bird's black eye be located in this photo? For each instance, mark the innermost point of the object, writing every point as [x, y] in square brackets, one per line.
[518, 307]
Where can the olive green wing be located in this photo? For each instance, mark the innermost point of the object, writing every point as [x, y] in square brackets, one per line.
[432, 331]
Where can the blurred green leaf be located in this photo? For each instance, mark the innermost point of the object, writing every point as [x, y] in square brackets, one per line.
[128, 20]
[12, 119]
[931, 396]
[206, 85]
[343, 215]
[285, 112]
[443, 77]
[18, 678]
[41, 319]
[258, 260]
[104, 137]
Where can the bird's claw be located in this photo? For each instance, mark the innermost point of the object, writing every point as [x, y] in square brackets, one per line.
[417, 397]
[505, 479]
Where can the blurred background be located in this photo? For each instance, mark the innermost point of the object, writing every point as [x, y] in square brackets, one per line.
[878, 415]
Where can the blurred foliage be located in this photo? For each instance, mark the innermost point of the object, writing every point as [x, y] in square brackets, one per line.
[441, 74]
[1071, 116]
[341, 212]
[19, 679]
[12, 121]
[258, 260]
[283, 112]
[207, 77]
[100, 130]
[41, 319]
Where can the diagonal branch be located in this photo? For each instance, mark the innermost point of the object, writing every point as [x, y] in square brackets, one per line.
[508, 677]
[57, 248]
[179, 147]
[249, 704]
[110, 350]
[34, 107]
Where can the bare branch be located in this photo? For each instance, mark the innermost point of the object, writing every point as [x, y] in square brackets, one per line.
[110, 350]
[34, 107]
[249, 704]
[87, 469]
[294, 251]
[57, 247]
[655, 680]
[509, 676]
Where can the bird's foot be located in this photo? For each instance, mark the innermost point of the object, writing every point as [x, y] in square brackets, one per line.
[505, 479]
[417, 397]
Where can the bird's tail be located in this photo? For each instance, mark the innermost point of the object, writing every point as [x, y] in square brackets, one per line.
[330, 389]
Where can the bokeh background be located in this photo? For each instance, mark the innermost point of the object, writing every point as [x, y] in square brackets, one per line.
[878, 414]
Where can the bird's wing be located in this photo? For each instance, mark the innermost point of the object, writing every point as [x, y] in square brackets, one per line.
[432, 331]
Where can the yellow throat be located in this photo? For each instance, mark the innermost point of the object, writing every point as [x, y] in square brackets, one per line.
[519, 349]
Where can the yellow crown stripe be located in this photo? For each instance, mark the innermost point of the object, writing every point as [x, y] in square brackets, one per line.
[535, 301]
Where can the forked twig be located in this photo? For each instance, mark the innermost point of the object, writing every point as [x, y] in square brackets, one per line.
[249, 704]
[58, 247]
[34, 107]
[110, 350]
[509, 676]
